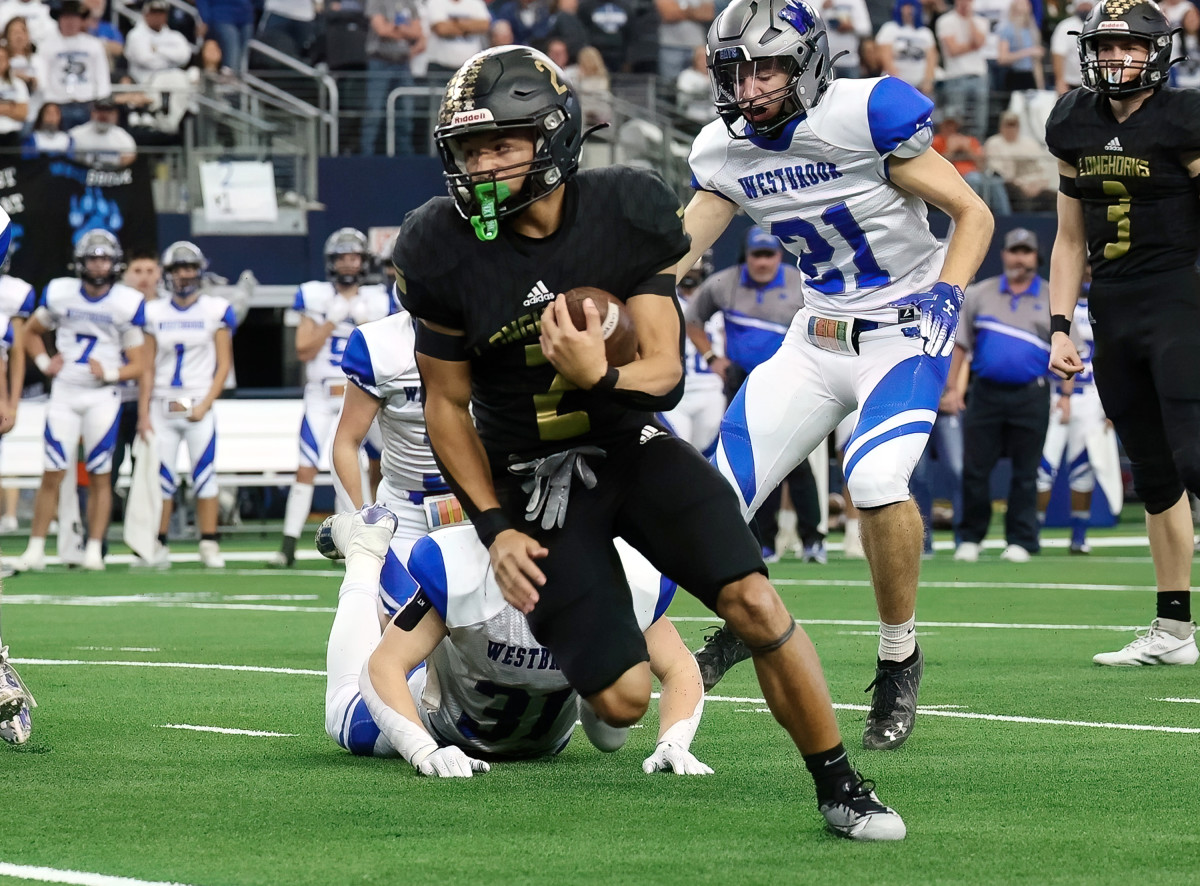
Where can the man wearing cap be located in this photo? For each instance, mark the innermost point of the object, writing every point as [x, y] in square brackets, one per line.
[758, 300]
[152, 47]
[71, 66]
[101, 142]
[1064, 50]
[1005, 328]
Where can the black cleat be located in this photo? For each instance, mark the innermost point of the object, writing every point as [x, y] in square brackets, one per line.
[285, 557]
[854, 812]
[893, 706]
[721, 650]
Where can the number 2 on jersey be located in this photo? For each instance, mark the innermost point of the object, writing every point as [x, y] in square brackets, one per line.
[87, 348]
[550, 423]
[820, 251]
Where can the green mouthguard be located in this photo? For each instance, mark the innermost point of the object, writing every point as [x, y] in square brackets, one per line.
[489, 195]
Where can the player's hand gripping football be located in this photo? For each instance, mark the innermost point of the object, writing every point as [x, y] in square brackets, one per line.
[940, 309]
[451, 762]
[670, 757]
[577, 354]
[513, 554]
[1064, 358]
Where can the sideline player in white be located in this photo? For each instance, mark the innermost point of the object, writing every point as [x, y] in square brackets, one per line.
[697, 418]
[330, 310]
[99, 344]
[840, 172]
[17, 302]
[487, 688]
[189, 353]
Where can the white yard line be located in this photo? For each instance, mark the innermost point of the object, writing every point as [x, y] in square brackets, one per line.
[984, 625]
[79, 878]
[178, 665]
[1179, 700]
[224, 731]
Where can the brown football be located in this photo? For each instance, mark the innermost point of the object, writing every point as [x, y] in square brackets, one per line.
[620, 334]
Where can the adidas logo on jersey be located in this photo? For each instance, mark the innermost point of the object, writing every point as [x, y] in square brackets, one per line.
[1114, 145]
[538, 295]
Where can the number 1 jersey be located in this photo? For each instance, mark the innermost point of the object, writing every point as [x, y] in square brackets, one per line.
[185, 357]
[822, 187]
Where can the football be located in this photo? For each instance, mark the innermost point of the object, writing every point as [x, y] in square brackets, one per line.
[620, 334]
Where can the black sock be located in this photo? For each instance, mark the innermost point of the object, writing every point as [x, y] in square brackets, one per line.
[289, 547]
[898, 665]
[210, 536]
[827, 769]
[162, 539]
[1175, 604]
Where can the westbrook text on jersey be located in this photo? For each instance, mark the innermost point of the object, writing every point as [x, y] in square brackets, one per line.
[788, 178]
[536, 658]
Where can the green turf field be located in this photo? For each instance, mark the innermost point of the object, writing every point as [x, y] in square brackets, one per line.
[1030, 765]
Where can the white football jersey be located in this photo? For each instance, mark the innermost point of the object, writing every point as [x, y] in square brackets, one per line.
[380, 358]
[822, 188]
[697, 374]
[1085, 343]
[313, 300]
[17, 298]
[185, 357]
[89, 328]
[491, 686]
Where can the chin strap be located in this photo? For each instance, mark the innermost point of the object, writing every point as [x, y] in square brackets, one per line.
[489, 195]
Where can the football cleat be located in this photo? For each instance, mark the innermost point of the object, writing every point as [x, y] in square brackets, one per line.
[93, 562]
[17, 728]
[893, 705]
[14, 696]
[815, 553]
[1154, 647]
[722, 649]
[1081, 547]
[1015, 554]
[855, 812]
[285, 557]
[28, 563]
[210, 554]
[967, 552]
[367, 531]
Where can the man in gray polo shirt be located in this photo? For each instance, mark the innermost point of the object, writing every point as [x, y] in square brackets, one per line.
[394, 35]
[1005, 328]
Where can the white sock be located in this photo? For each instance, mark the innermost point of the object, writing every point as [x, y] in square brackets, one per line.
[352, 639]
[36, 549]
[362, 569]
[95, 548]
[299, 504]
[897, 642]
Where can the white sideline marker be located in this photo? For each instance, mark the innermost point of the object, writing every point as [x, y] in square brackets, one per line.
[1180, 700]
[78, 878]
[223, 731]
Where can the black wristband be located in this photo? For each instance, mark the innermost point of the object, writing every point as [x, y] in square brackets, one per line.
[608, 381]
[490, 523]
[1060, 323]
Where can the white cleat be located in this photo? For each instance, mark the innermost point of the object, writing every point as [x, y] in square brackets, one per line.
[93, 562]
[8, 523]
[967, 552]
[856, 813]
[15, 702]
[367, 531]
[210, 554]
[1015, 554]
[1154, 647]
[29, 563]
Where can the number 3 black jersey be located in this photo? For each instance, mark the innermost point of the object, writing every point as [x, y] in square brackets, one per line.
[1141, 213]
[620, 228]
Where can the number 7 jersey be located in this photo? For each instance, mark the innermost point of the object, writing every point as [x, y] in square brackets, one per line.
[822, 188]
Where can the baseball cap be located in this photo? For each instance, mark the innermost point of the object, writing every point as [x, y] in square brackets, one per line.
[157, 6]
[758, 240]
[1021, 238]
[104, 104]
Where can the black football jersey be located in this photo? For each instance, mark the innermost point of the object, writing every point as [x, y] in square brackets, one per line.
[620, 227]
[1141, 212]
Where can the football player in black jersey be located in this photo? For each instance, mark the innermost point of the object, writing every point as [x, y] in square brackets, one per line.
[1129, 154]
[564, 453]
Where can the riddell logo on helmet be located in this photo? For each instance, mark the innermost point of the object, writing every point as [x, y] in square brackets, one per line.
[1113, 26]
[480, 116]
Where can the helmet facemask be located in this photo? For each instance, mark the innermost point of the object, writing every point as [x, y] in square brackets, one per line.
[1108, 77]
[347, 241]
[733, 81]
[99, 244]
[1131, 22]
[180, 255]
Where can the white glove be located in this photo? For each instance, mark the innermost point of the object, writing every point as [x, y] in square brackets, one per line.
[338, 310]
[670, 757]
[360, 312]
[451, 762]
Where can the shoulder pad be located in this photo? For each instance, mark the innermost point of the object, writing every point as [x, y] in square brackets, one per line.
[1057, 125]
[654, 211]
[424, 252]
[878, 114]
[710, 150]
[1184, 118]
[313, 296]
[652, 592]
[454, 570]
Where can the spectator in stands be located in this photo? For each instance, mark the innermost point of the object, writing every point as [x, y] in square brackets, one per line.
[20, 52]
[847, 22]
[907, 47]
[693, 91]
[531, 20]
[966, 153]
[556, 50]
[38, 17]
[71, 66]
[1186, 74]
[565, 24]
[609, 25]
[152, 47]
[593, 87]
[963, 36]
[48, 138]
[870, 60]
[101, 142]
[683, 25]
[231, 24]
[1005, 327]
[289, 26]
[1029, 172]
[14, 106]
[1064, 48]
[104, 30]
[642, 57]
[1019, 49]
[459, 30]
[501, 33]
[1175, 11]
[395, 34]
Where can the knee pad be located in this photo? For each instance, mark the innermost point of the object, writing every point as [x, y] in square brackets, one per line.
[1158, 484]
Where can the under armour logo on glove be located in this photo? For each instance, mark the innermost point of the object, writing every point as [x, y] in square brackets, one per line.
[939, 309]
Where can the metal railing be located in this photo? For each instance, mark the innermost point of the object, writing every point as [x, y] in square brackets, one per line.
[327, 102]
